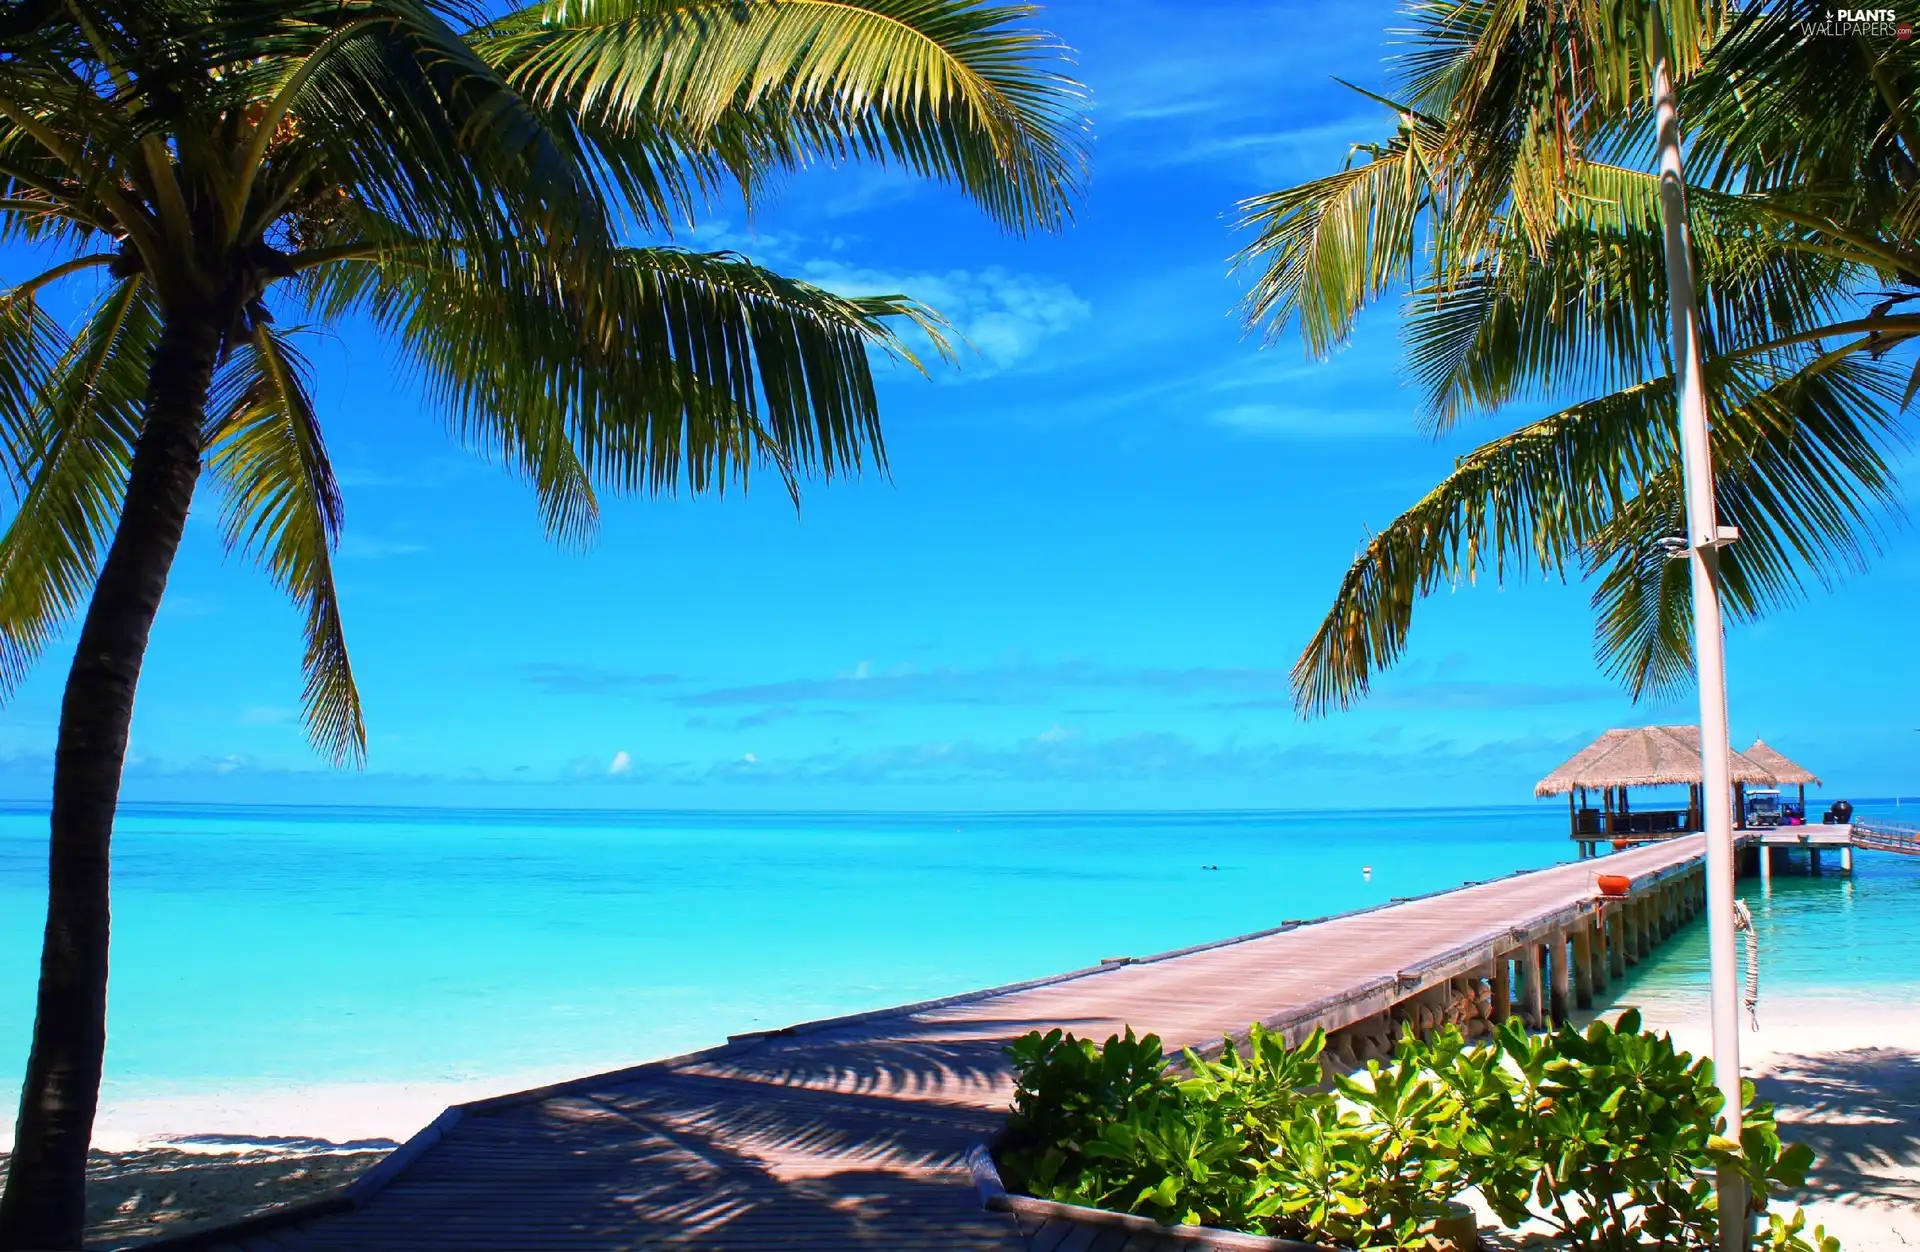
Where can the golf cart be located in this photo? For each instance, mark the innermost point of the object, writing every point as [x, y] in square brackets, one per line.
[1765, 808]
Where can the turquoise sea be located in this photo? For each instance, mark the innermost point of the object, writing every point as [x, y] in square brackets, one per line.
[256, 947]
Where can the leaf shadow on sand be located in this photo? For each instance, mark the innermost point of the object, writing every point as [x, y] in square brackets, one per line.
[1859, 1110]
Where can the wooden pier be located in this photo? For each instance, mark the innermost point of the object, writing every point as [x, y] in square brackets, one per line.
[856, 1132]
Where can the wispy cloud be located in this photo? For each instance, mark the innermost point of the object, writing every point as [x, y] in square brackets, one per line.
[1458, 695]
[560, 678]
[1060, 755]
[1006, 316]
[1001, 684]
[1297, 421]
[355, 547]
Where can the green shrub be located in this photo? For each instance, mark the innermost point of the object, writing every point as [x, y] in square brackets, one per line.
[1251, 1141]
[1608, 1136]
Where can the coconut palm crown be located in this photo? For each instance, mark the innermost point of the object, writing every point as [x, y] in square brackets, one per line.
[213, 178]
[1516, 209]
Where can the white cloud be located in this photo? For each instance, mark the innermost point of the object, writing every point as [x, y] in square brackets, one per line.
[1004, 315]
[355, 547]
[622, 763]
[751, 759]
[1312, 422]
[1057, 733]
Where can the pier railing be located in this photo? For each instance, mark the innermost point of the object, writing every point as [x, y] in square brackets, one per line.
[1885, 836]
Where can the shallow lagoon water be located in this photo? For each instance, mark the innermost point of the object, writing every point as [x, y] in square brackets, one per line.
[256, 948]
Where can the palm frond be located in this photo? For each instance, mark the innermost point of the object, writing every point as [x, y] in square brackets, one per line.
[79, 445]
[30, 346]
[1803, 470]
[957, 90]
[283, 508]
[689, 370]
[1585, 308]
[1802, 467]
[1328, 247]
[396, 105]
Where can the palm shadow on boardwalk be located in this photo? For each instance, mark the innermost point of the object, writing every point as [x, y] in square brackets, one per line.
[835, 1138]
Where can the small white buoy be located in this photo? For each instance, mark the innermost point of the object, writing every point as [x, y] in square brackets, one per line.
[1366, 872]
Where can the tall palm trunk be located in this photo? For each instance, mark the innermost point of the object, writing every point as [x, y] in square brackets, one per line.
[44, 1206]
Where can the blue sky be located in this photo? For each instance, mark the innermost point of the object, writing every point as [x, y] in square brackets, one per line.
[1104, 540]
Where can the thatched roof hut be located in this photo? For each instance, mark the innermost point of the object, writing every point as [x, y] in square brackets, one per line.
[1782, 769]
[1645, 756]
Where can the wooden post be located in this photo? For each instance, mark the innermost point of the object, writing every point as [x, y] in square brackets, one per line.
[1813, 861]
[1503, 989]
[1846, 859]
[1597, 955]
[1766, 864]
[1559, 1001]
[1739, 806]
[1530, 1007]
[1582, 966]
[1643, 923]
[1616, 922]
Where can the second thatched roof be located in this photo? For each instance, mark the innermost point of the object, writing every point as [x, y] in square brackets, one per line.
[1782, 769]
[1644, 756]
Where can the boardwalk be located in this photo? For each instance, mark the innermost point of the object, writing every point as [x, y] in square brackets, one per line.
[855, 1133]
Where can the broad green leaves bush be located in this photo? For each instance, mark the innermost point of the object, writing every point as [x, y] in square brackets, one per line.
[1607, 1136]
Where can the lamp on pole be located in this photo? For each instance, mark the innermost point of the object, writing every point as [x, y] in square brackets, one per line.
[1704, 539]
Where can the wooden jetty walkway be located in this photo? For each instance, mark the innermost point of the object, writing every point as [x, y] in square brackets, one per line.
[1885, 836]
[856, 1132]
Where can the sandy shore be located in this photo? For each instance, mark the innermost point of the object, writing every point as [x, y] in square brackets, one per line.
[1844, 1077]
[166, 1164]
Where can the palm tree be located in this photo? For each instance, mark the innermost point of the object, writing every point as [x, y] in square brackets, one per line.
[491, 192]
[1516, 208]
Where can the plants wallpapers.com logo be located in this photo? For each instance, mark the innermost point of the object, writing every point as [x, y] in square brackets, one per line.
[1870, 22]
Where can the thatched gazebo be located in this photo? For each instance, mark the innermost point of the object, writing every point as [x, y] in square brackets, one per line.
[1785, 772]
[1643, 756]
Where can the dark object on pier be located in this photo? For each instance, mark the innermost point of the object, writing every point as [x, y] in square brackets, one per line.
[1839, 813]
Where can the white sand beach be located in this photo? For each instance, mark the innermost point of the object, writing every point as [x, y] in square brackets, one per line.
[1844, 1075]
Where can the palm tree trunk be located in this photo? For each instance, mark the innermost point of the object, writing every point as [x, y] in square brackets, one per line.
[44, 1206]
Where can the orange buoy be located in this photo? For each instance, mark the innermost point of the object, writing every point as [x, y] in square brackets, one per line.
[1621, 845]
[1614, 884]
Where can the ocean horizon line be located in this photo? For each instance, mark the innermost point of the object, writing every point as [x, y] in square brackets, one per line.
[601, 814]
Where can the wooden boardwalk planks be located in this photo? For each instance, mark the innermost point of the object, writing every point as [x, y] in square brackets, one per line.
[854, 1133]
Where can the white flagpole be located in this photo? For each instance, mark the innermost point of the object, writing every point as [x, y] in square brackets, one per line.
[1703, 543]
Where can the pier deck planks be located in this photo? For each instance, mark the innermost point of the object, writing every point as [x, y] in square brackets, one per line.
[854, 1133]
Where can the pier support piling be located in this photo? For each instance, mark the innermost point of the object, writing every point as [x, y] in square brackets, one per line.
[1531, 1010]
[1557, 970]
[1597, 955]
[1643, 925]
[1502, 989]
[1846, 860]
[1766, 866]
[1614, 924]
[1583, 966]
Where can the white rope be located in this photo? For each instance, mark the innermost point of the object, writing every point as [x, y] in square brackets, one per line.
[1743, 921]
